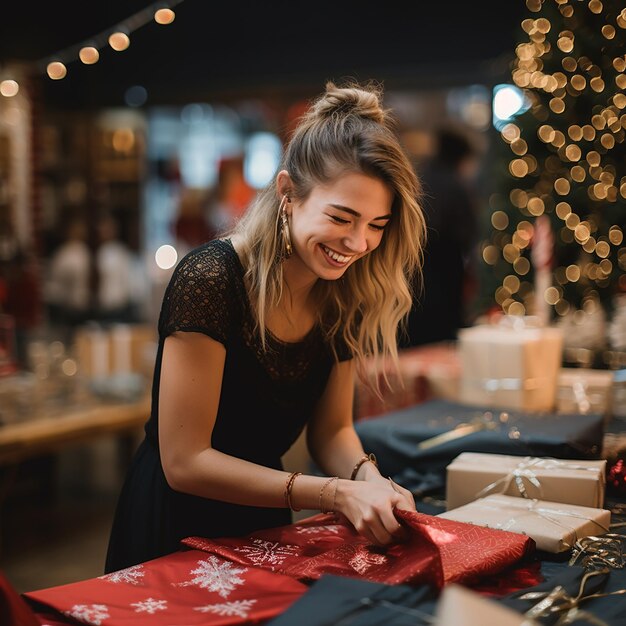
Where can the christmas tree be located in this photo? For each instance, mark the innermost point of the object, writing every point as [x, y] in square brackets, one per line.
[559, 202]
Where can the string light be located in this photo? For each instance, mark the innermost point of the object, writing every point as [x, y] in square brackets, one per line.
[89, 55]
[9, 88]
[164, 16]
[56, 70]
[118, 38]
[119, 41]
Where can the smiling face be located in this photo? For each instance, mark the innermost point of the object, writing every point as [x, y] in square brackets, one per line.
[337, 224]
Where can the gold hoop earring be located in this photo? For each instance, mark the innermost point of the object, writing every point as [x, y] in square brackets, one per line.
[284, 227]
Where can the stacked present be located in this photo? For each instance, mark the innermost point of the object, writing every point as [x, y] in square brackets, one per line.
[555, 501]
[513, 364]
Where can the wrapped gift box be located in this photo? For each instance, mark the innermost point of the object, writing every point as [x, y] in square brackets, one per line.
[583, 390]
[472, 475]
[510, 366]
[554, 526]
[436, 551]
[415, 445]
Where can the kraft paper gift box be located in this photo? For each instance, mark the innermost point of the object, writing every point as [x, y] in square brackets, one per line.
[473, 475]
[510, 367]
[554, 526]
[459, 606]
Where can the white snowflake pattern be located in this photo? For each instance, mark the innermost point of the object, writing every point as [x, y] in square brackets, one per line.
[364, 560]
[313, 530]
[215, 575]
[236, 608]
[270, 552]
[129, 575]
[92, 614]
[150, 605]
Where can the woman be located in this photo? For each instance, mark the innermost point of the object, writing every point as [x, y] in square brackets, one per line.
[259, 335]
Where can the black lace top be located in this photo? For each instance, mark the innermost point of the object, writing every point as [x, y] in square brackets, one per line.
[267, 397]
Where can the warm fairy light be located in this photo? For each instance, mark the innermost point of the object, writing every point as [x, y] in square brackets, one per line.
[578, 82]
[519, 147]
[521, 266]
[572, 273]
[595, 6]
[575, 132]
[517, 308]
[164, 16]
[519, 198]
[607, 140]
[563, 210]
[518, 167]
[546, 133]
[619, 64]
[566, 44]
[582, 233]
[551, 295]
[56, 70]
[578, 173]
[608, 31]
[490, 255]
[562, 307]
[557, 105]
[559, 139]
[510, 132]
[562, 186]
[510, 252]
[9, 88]
[615, 235]
[119, 41]
[573, 153]
[589, 245]
[511, 283]
[619, 100]
[536, 206]
[593, 158]
[500, 220]
[603, 249]
[569, 64]
[606, 267]
[572, 220]
[89, 55]
[597, 84]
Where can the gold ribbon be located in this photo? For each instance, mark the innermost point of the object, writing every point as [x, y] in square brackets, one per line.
[558, 600]
[605, 551]
[526, 469]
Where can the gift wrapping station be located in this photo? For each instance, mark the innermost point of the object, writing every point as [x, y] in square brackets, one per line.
[520, 510]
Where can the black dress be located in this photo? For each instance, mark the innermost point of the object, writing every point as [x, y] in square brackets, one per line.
[266, 399]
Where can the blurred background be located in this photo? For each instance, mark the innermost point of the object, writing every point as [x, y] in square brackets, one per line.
[131, 132]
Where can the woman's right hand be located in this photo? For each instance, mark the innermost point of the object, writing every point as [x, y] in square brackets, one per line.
[369, 505]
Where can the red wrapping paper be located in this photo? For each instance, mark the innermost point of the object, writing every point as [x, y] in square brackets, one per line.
[437, 551]
[185, 588]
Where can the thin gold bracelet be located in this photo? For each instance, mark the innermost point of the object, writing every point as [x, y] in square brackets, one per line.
[288, 488]
[364, 459]
[330, 480]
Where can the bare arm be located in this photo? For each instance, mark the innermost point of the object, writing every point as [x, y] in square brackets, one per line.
[369, 500]
[191, 379]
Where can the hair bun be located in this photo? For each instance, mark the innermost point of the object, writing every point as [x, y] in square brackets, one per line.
[355, 99]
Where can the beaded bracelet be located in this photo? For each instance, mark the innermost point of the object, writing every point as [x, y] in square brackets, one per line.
[364, 459]
[321, 507]
[288, 487]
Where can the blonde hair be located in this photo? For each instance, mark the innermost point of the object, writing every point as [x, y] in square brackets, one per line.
[345, 130]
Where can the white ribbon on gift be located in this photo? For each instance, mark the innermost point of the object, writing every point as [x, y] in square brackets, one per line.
[547, 513]
[526, 470]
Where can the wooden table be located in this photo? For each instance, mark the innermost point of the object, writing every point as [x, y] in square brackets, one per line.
[43, 435]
